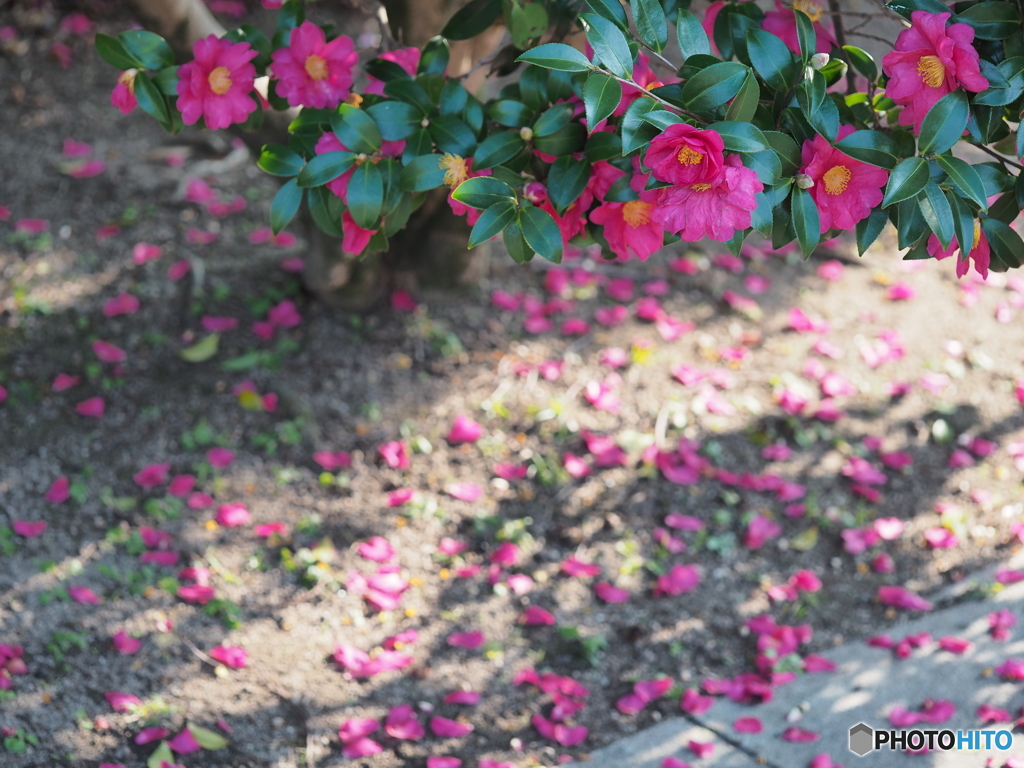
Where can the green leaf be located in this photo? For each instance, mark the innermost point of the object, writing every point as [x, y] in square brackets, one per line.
[423, 173]
[496, 149]
[806, 221]
[692, 38]
[553, 120]
[944, 124]
[516, 244]
[162, 754]
[610, 46]
[741, 137]
[862, 62]
[147, 48]
[651, 24]
[963, 222]
[565, 141]
[150, 99]
[112, 51]
[452, 135]
[557, 56]
[771, 59]
[356, 129]
[202, 350]
[386, 71]
[434, 58]
[966, 179]
[662, 118]
[208, 739]
[714, 86]
[325, 167]
[786, 148]
[992, 20]
[744, 105]
[566, 181]
[510, 113]
[906, 180]
[937, 212]
[601, 95]
[766, 164]
[365, 195]
[482, 192]
[906, 7]
[636, 132]
[416, 145]
[871, 147]
[410, 92]
[868, 229]
[278, 160]
[910, 223]
[326, 208]
[620, 191]
[166, 81]
[611, 10]
[805, 35]
[603, 145]
[396, 120]
[285, 205]
[1004, 242]
[542, 233]
[492, 221]
[526, 23]
[472, 19]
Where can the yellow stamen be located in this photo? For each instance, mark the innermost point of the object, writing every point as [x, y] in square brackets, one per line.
[316, 67]
[128, 78]
[454, 169]
[812, 9]
[220, 80]
[932, 71]
[700, 187]
[354, 100]
[977, 234]
[836, 179]
[688, 156]
[636, 213]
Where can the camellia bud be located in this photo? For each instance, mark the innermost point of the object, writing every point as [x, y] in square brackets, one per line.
[526, 133]
[804, 181]
[535, 192]
[819, 60]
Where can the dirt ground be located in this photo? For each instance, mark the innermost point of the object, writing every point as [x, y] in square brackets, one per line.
[353, 383]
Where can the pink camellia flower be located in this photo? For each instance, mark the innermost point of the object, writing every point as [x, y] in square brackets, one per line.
[748, 725]
[980, 253]
[312, 72]
[395, 454]
[466, 639]
[799, 734]
[464, 491]
[701, 748]
[445, 728]
[506, 554]
[125, 643]
[535, 615]
[782, 23]
[407, 58]
[230, 655]
[181, 485]
[610, 593]
[108, 353]
[143, 252]
[152, 475]
[271, 529]
[59, 491]
[356, 729]
[378, 549]
[355, 238]
[759, 530]
[464, 430]
[233, 514]
[184, 743]
[686, 155]
[930, 60]
[179, 269]
[629, 227]
[443, 761]
[64, 381]
[845, 189]
[29, 529]
[333, 460]
[217, 84]
[123, 95]
[402, 723]
[83, 595]
[899, 597]
[122, 702]
[284, 315]
[713, 209]
[680, 579]
[693, 703]
[220, 457]
[122, 304]
[149, 735]
[941, 538]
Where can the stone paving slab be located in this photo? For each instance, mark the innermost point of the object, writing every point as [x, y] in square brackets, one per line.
[867, 685]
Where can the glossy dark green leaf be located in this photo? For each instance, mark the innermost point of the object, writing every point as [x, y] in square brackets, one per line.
[637, 132]
[365, 195]
[787, 150]
[355, 129]
[395, 221]
[285, 205]
[423, 173]
[452, 135]
[662, 118]
[906, 7]
[1004, 242]
[325, 207]
[603, 145]
[553, 119]
[805, 35]
[151, 101]
[910, 223]
[862, 61]
[693, 40]
[325, 167]
[419, 143]
[609, 9]
[568, 139]
[609, 44]
[395, 119]
[454, 99]
[744, 105]
[714, 86]
[1005, 208]
[516, 244]
[556, 56]
[651, 24]
[496, 149]
[967, 180]
[992, 20]
[566, 181]
[906, 180]
[601, 95]
[621, 191]
[944, 124]
[936, 211]
[870, 228]
[278, 160]
[806, 221]
[541, 233]
[482, 192]
[492, 221]
[472, 19]
[963, 221]
[765, 164]
[410, 92]
[526, 23]
[434, 57]
[112, 51]
[871, 147]
[290, 15]
[772, 60]
[147, 48]
[166, 81]
[741, 137]
[510, 113]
